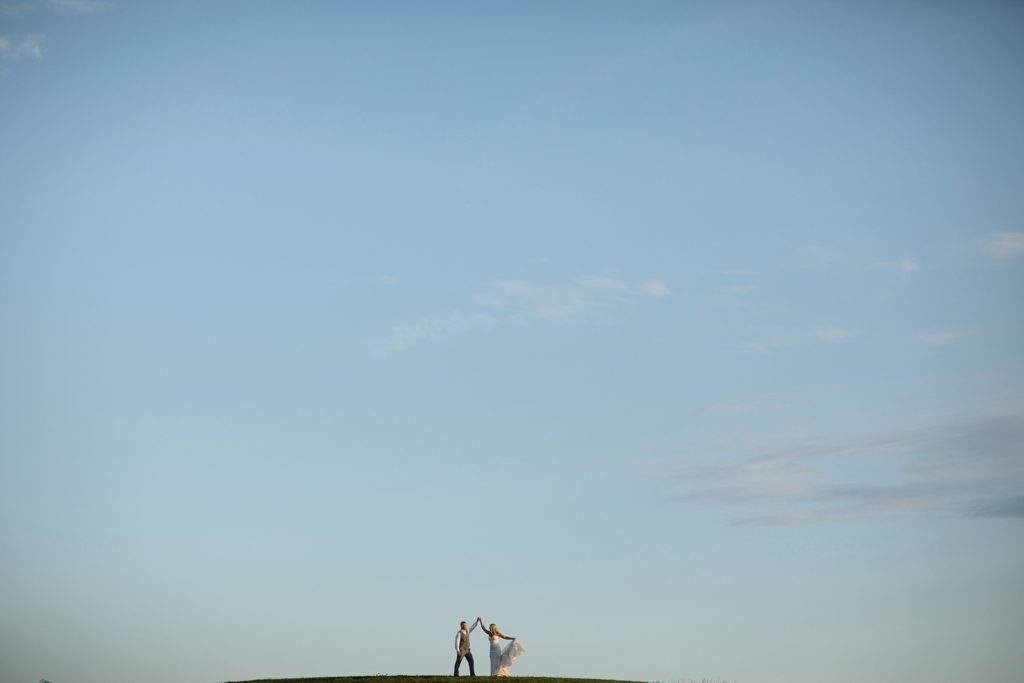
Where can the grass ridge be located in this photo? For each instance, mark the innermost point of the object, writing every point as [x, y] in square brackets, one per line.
[426, 679]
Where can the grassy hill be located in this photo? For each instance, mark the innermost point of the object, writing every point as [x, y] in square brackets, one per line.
[424, 679]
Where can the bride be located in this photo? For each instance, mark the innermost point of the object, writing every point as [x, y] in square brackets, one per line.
[501, 659]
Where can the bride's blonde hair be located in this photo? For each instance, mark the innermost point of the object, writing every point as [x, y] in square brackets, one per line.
[494, 629]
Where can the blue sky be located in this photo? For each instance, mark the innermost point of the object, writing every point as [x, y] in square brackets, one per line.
[680, 339]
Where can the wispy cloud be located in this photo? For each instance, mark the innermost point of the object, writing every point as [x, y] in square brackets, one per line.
[831, 334]
[732, 297]
[939, 337]
[432, 329]
[14, 9]
[777, 340]
[907, 265]
[815, 256]
[585, 299]
[818, 257]
[1007, 506]
[1003, 243]
[746, 404]
[971, 466]
[590, 299]
[80, 6]
[16, 49]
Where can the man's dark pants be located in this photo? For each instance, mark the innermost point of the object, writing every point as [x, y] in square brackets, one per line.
[469, 658]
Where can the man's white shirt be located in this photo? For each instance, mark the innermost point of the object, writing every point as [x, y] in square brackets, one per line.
[459, 632]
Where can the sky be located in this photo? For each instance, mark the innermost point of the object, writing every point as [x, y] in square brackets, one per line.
[679, 339]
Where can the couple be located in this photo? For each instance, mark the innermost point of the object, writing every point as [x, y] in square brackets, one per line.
[501, 659]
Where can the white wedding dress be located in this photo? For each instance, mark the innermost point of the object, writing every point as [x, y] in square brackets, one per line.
[501, 659]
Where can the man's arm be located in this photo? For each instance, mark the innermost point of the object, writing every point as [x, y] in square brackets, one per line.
[473, 626]
[457, 642]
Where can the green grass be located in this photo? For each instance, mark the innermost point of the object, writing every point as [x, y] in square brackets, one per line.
[448, 679]
[425, 679]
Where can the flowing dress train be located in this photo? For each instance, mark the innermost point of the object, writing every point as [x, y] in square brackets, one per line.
[502, 658]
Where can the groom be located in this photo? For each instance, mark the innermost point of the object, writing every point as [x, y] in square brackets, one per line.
[462, 647]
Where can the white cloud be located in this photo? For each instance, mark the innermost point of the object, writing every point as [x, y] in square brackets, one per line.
[79, 6]
[431, 329]
[814, 256]
[16, 49]
[1003, 243]
[939, 337]
[585, 299]
[907, 265]
[775, 340]
[831, 334]
[746, 404]
[732, 297]
[757, 347]
[590, 299]
[13, 9]
[610, 284]
[767, 342]
[973, 466]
